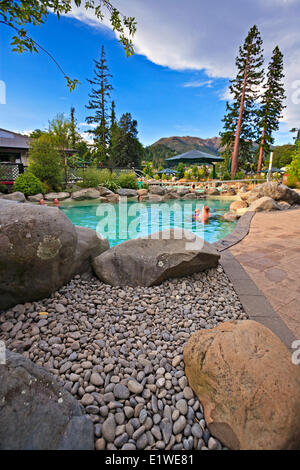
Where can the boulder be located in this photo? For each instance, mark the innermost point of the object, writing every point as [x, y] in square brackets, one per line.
[35, 198]
[230, 216]
[284, 205]
[87, 193]
[156, 198]
[104, 191]
[228, 192]
[158, 190]
[212, 192]
[264, 204]
[38, 249]
[182, 192]
[170, 195]
[110, 198]
[17, 197]
[276, 191]
[250, 390]
[149, 261]
[59, 196]
[142, 192]
[238, 205]
[124, 192]
[240, 212]
[191, 196]
[39, 414]
[89, 245]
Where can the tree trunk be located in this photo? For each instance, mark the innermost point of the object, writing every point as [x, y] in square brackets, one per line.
[261, 151]
[234, 158]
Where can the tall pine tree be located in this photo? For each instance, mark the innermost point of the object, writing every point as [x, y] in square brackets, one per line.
[98, 103]
[239, 120]
[272, 105]
[125, 149]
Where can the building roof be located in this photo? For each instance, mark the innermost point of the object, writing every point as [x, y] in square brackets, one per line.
[195, 156]
[10, 139]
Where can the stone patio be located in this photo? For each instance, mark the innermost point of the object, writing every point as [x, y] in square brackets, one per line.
[270, 255]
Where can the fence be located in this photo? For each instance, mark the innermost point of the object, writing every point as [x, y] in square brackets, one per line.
[9, 172]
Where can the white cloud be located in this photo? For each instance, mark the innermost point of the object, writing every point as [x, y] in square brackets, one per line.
[198, 84]
[194, 35]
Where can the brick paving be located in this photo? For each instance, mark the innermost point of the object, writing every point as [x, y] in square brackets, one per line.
[270, 254]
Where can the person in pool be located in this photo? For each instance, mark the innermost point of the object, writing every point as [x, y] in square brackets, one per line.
[205, 214]
[202, 216]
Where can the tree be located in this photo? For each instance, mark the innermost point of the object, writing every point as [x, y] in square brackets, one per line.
[45, 161]
[60, 131]
[125, 149]
[181, 170]
[98, 103]
[271, 109]
[74, 135]
[239, 120]
[19, 14]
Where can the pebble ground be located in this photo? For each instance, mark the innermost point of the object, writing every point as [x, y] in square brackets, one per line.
[120, 353]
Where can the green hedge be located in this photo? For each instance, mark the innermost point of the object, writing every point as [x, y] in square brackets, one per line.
[28, 184]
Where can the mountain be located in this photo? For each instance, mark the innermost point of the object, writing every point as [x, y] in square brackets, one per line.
[185, 144]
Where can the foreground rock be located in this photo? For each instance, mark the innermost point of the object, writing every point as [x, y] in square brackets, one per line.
[38, 413]
[234, 206]
[250, 390]
[17, 197]
[89, 245]
[278, 192]
[40, 250]
[149, 261]
[264, 204]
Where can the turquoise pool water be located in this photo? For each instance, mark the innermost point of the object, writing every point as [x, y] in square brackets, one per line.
[121, 222]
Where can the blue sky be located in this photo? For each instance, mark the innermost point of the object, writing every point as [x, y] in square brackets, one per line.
[173, 85]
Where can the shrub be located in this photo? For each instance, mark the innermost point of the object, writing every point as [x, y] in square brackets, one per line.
[28, 184]
[45, 161]
[293, 182]
[240, 175]
[90, 178]
[226, 176]
[127, 180]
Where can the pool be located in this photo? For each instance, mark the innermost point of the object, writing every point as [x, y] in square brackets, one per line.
[121, 222]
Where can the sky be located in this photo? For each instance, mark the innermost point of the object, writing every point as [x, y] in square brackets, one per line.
[177, 81]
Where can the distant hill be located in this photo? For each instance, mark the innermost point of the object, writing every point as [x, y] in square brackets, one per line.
[185, 144]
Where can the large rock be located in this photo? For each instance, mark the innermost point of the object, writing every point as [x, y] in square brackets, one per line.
[264, 204]
[40, 250]
[124, 192]
[87, 193]
[212, 192]
[230, 216]
[37, 413]
[157, 198]
[110, 198]
[142, 192]
[156, 189]
[35, 197]
[17, 197]
[90, 244]
[249, 387]
[238, 205]
[104, 191]
[276, 191]
[59, 196]
[149, 261]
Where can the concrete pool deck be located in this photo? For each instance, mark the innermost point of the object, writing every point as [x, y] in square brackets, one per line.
[264, 268]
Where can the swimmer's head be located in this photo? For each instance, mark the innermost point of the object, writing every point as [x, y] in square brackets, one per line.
[206, 208]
